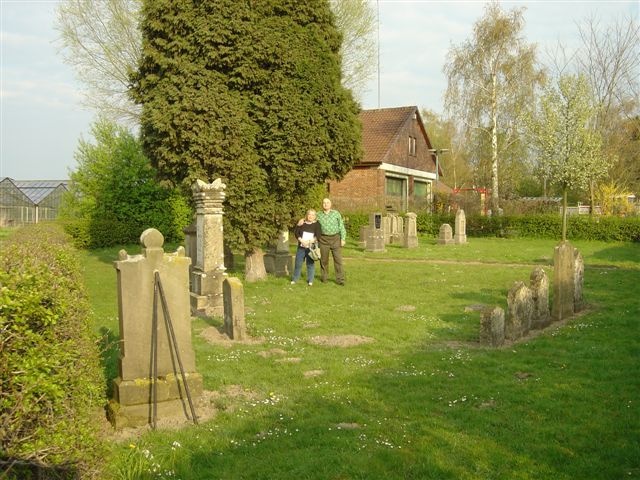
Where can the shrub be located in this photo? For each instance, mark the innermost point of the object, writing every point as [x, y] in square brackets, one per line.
[51, 383]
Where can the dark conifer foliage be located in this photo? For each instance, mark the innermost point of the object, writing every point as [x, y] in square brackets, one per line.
[248, 91]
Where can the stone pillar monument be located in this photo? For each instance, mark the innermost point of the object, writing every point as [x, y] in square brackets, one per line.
[410, 237]
[208, 269]
[461, 228]
[131, 405]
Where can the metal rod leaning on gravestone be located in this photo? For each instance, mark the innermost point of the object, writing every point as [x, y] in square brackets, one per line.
[174, 341]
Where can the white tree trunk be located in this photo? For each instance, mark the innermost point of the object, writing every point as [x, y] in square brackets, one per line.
[495, 198]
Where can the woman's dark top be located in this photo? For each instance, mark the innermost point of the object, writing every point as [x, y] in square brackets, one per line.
[307, 227]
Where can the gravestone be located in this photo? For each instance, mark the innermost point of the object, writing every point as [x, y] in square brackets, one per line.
[190, 246]
[278, 260]
[131, 405]
[578, 281]
[446, 235]
[563, 281]
[461, 228]
[374, 239]
[539, 285]
[410, 237]
[395, 232]
[234, 320]
[386, 228]
[519, 311]
[492, 326]
[208, 271]
[362, 239]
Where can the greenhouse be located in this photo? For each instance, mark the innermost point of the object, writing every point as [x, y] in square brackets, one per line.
[29, 201]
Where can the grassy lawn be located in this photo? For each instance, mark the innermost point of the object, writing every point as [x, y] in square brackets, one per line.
[422, 400]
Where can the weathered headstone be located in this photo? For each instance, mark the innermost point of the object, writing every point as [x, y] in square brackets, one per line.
[519, 311]
[190, 245]
[460, 236]
[492, 326]
[539, 285]
[446, 235]
[410, 237]
[362, 239]
[234, 320]
[208, 270]
[278, 259]
[132, 401]
[374, 239]
[386, 228]
[578, 281]
[563, 281]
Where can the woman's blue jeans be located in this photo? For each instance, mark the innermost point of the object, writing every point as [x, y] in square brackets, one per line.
[302, 254]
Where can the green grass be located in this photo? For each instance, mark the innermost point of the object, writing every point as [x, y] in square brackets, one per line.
[429, 402]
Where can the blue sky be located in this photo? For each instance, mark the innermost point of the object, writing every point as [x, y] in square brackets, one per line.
[41, 118]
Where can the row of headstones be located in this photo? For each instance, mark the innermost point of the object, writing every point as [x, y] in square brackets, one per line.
[202, 288]
[446, 236]
[528, 306]
[389, 229]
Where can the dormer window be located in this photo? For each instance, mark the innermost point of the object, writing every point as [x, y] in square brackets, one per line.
[412, 146]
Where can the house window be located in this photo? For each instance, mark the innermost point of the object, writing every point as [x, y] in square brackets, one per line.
[421, 189]
[412, 146]
[396, 192]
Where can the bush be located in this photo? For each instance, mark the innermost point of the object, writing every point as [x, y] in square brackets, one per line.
[51, 382]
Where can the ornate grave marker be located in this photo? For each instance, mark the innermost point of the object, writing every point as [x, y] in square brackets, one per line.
[461, 228]
[445, 236]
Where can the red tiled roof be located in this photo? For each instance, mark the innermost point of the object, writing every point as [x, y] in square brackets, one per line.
[379, 130]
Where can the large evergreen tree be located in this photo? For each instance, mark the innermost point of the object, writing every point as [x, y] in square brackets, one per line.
[248, 91]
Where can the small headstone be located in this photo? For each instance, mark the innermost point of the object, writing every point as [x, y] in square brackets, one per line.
[519, 311]
[461, 228]
[563, 281]
[578, 279]
[278, 260]
[539, 285]
[386, 228]
[234, 321]
[362, 239]
[410, 237]
[374, 239]
[492, 326]
[446, 235]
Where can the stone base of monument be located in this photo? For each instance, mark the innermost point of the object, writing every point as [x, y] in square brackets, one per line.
[278, 263]
[132, 402]
[206, 295]
[205, 305]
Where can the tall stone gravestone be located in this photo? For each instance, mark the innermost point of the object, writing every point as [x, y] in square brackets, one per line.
[445, 236]
[410, 237]
[539, 285]
[492, 326]
[374, 239]
[460, 236]
[386, 228]
[563, 281]
[277, 260]
[131, 405]
[578, 281]
[519, 311]
[208, 271]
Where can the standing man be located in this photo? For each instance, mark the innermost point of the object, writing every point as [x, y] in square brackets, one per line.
[333, 238]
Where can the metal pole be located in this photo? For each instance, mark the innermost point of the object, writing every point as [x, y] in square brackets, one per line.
[173, 339]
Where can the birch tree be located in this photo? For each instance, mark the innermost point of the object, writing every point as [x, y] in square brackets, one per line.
[492, 78]
[564, 136]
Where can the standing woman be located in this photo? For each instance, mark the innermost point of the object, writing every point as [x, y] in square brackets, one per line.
[307, 233]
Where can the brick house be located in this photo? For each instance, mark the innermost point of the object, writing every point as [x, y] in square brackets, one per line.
[397, 171]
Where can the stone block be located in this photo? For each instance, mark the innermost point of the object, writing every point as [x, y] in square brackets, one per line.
[519, 311]
[563, 281]
[539, 285]
[492, 326]
[234, 320]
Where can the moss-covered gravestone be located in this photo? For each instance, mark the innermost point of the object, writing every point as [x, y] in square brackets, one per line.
[140, 278]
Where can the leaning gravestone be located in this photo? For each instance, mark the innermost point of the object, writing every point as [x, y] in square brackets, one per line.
[446, 235]
[132, 402]
[234, 319]
[208, 271]
[520, 309]
[277, 260]
[460, 236]
[563, 281]
[410, 237]
[539, 285]
[492, 326]
[374, 234]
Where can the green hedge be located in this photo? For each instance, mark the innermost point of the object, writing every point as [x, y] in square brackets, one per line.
[51, 381]
[579, 227]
